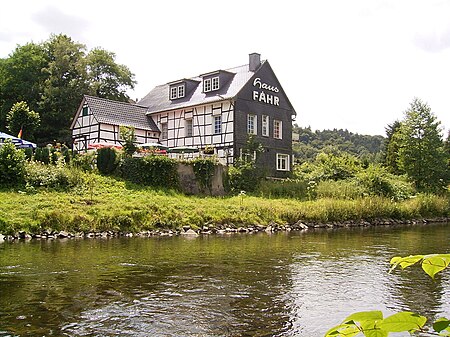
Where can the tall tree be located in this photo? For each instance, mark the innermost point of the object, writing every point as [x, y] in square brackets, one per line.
[22, 78]
[391, 147]
[107, 79]
[421, 152]
[21, 118]
[64, 87]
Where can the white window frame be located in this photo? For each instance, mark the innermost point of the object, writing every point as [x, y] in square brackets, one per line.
[177, 91]
[188, 127]
[173, 92]
[283, 162]
[265, 126]
[277, 129]
[215, 83]
[181, 91]
[252, 124]
[217, 124]
[164, 131]
[207, 85]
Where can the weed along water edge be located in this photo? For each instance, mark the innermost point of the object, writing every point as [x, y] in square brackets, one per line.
[297, 283]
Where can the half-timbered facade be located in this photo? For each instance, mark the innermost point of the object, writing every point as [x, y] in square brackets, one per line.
[215, 111]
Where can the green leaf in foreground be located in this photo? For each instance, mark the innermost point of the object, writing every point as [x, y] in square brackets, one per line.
[433, 264]
[343, 330]
[403, 321]
[442, 324]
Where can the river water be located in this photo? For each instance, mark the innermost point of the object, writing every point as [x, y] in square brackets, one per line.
[283, 284]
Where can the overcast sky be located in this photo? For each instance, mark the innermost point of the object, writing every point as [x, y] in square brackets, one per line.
[350, 64]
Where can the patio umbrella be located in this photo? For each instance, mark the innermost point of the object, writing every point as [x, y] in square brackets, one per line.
[183, 149]
[18, 142]
[154, 146]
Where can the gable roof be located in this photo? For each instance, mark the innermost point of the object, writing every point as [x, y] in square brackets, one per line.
[158, 100]
[120, 113]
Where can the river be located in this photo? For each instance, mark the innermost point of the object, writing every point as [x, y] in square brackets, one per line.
[282, 284]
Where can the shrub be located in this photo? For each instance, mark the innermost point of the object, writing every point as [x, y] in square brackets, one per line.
[379, 182]
[106, 160]
[12, 165]
[42, 154]
[156, 171]
[50, 176]
[244, 176]
[204, 172]
[84, 161]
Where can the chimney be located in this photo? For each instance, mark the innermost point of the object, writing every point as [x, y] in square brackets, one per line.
[254, 61]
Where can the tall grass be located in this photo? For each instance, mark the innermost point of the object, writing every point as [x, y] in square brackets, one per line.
[113, 204]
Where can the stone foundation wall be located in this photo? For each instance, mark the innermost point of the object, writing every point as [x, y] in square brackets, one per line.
[189, 184]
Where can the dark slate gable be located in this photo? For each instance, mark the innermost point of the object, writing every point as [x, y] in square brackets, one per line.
[158, 100]
[120, 113]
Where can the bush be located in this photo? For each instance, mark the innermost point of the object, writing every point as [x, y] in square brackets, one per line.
[84, 161]
[379, 182]
[156, 171]
[50, 176]
[42, 154]
[329, 166]
[204, 172]
[12, 165]
[244, 177]
[106, 160]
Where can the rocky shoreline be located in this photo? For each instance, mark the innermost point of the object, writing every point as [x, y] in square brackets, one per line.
[219, 229]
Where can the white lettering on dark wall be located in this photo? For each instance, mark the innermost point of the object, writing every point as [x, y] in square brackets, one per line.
[261, 85]
[261, 96]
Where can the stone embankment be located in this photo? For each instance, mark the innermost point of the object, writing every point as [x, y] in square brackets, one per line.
[220, 229]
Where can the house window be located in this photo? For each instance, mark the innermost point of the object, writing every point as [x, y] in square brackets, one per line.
[180, 91]
[210, 84]
[282, 162]
[188, 127]
[265, 126]
[215, 83]
[173, 93]
[277, 129]
[251, 124]
[164, 131]
[217, 124]
[177, 91]
[85, 110]
[207, 85]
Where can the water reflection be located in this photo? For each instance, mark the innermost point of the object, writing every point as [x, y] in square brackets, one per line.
[296, 284]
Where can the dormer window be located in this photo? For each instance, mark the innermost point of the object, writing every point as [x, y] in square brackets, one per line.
[211, 84]
[177, 91]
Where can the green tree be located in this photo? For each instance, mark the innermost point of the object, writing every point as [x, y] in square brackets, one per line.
[391, 147]
[128, 135]
[22, 78]
[20, 117]
[64, 87]
[421, 151]
[107, 79]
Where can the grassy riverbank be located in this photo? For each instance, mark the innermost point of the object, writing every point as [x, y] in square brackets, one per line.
[110, 204]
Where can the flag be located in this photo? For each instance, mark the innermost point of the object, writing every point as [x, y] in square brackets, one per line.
[20, 133]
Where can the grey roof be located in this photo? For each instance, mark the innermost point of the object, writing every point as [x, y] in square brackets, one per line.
[158, 100]
[120, 113]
